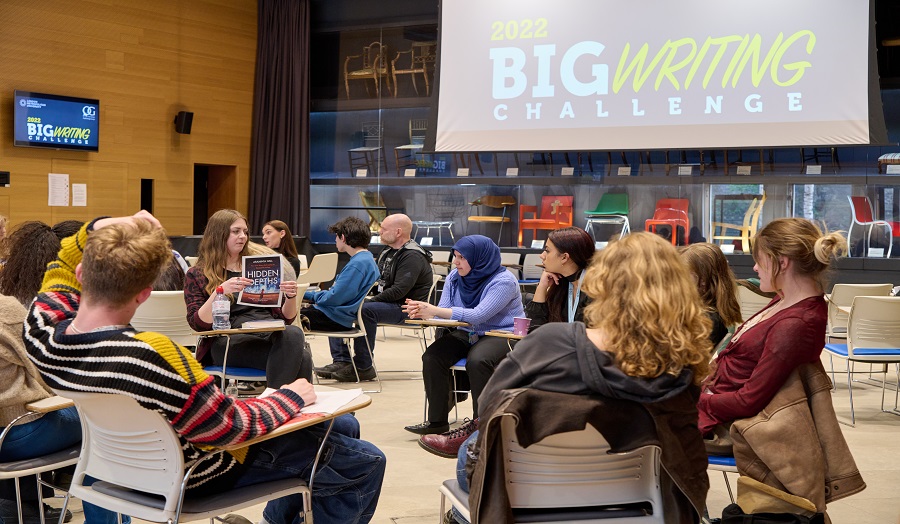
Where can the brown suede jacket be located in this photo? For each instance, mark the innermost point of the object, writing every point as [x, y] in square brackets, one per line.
[626, 425]
[795, 443]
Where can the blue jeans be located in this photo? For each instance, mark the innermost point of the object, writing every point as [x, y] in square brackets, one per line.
[373, 313]
[461, 459]
[347, 482]
[52, 432]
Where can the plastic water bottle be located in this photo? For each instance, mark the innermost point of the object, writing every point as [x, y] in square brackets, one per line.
[221, 310]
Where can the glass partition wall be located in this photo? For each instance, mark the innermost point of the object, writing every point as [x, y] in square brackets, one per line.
[372, 88]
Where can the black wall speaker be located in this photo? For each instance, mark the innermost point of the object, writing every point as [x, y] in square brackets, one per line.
[183, 122]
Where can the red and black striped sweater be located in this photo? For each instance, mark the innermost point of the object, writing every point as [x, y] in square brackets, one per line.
[158, 373]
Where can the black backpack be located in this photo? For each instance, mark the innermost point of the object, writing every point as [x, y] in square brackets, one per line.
[733, 514]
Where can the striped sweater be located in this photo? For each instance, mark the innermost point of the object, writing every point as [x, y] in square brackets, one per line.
[148, 367]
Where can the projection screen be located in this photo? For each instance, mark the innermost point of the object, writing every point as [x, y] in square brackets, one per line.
[527, 75]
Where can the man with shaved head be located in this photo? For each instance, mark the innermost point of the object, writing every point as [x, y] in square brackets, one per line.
[405, 273]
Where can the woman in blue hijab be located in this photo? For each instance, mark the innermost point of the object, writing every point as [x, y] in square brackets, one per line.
[482, 293]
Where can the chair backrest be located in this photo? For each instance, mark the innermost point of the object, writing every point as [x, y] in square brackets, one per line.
[860, 209]
[612, 204]
[530, 269]
[511, 258]
[438, 255]
[842, 295]
[374, 55]
[303, 262]
[374, 205]
[359, 307]
[166, 313]
[558, 208]
[417, 129]
[874, 324]
[424, 53]
[322, 269]
[575, 470]
[668, 213]
[435, 278]
[681, 204]
[372, 133]
[192, 261]
[756, 205]
[750, 302]
[129, 446]
[301, 289]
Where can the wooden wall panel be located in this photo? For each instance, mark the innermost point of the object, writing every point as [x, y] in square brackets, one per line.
[145, 61]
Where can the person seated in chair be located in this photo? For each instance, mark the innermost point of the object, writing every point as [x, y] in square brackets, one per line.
[27, 250]
[717, 287]
[558, 298]
[406, 273]
[282, 354]
[334, 309]
[78, 335]
[277, 237]
[482, 293]
[644, 339]
[791, 255]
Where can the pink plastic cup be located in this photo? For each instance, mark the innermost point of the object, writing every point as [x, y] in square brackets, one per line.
[520, 326]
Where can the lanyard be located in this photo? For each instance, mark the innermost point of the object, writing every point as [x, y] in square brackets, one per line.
[573, 301]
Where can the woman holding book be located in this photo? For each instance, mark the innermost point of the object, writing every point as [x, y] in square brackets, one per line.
[282, 354]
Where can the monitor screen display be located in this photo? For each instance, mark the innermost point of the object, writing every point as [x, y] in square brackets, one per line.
[56, 122]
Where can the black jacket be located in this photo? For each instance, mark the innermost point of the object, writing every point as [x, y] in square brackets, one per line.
[405, 273]
[560, 358]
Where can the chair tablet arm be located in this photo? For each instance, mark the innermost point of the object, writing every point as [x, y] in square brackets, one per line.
[47, 405]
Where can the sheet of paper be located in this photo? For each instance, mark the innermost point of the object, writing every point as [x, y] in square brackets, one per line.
[79, 195]
[441, 320]
[331, 400]
[57, 189]
[326, 401]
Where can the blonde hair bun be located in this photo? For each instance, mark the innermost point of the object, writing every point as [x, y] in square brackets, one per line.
[829, 246]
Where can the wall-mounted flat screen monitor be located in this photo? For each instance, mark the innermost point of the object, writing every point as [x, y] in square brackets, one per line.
[56, 121]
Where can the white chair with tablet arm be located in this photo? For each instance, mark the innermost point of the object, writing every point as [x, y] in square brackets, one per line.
[323, 268]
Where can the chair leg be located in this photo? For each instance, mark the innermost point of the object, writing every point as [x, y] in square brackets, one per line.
[833, 382]
[850, 390]
[19, 500]
[728, 487]
[372, 358]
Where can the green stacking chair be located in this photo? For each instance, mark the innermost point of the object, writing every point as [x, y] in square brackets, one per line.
[612, 209]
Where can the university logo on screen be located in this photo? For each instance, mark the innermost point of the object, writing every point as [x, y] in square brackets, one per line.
[704, 74]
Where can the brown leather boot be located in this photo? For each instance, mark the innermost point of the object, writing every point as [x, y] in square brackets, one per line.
[447, 444]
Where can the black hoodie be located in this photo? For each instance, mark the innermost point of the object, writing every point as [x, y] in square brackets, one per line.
[405, 273]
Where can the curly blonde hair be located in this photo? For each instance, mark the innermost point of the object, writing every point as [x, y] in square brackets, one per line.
[646, 304]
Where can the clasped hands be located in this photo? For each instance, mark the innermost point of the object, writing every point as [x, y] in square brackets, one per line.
[417, 309]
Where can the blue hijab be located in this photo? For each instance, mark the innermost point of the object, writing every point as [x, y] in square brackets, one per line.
[483, 256]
